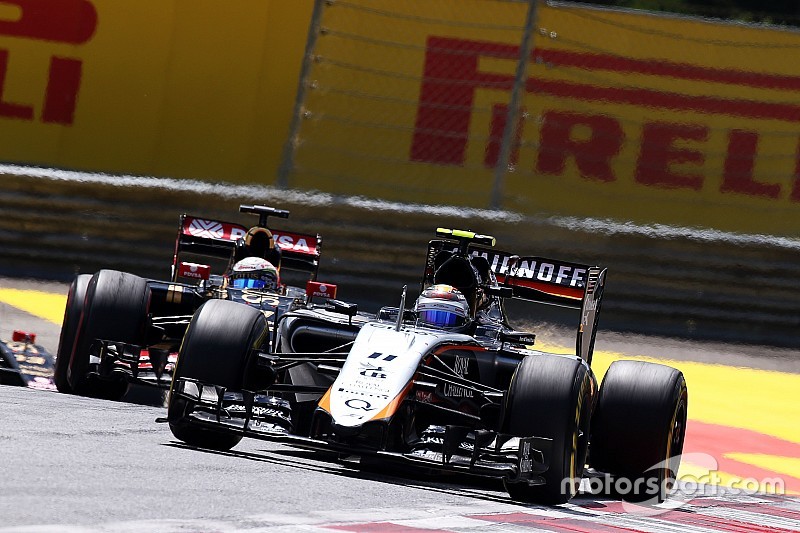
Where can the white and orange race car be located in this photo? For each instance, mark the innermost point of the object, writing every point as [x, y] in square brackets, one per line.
[446, 384]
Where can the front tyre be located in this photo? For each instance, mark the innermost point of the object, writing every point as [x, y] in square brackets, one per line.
[76, 299]
[639, 429]
[552, 396]
[218, 348]
[115, 309]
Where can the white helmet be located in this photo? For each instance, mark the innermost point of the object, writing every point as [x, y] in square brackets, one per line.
[442, 306]
[254, 273]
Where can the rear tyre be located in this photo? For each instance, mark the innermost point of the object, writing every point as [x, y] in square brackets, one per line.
[217, 349]
[552, 396]
[76, 298]
[639, 428]
[115, 309]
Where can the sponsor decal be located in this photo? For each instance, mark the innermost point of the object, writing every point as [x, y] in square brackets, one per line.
[359, 404]
[316, 289]
[560, 274]
[525, 462]
[257, 410]
[424, 396]
[371, 371]
[249, 264]
[461, 367]
[194, 270]
[208, 229]
[259, 298]
[212, 229]
[429, 455]
[362, 393]
[535, 269]
[368, 385]
[295, 242]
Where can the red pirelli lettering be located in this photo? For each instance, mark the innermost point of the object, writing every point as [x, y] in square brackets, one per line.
[592, 155]
[670, 155]
[739, 164]
[659, 153]
[64, 21]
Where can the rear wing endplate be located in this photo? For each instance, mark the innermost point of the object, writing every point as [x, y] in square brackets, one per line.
[214, 238]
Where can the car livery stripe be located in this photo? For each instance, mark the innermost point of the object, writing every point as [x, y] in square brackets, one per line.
[575, 293]
[174, 294]
[466, 347]
[325, 402]
[392, 406]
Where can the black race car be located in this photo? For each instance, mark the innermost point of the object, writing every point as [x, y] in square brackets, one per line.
[447, 384]
[120, 328]
[25, 363]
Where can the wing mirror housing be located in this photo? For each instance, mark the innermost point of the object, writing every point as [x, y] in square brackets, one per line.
[499, 290]
[343, 308]
[518, 337]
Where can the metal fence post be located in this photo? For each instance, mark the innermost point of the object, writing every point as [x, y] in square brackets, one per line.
[287, 158]
[506, 145]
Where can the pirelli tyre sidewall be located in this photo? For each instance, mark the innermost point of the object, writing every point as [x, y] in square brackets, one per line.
[639, 428]
[219, 348]
[76, 299]
[115, 309]
[552, 396]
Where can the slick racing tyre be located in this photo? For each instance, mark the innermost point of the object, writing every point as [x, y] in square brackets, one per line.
[216, 350]
[115, 309]
[639, 428]
[76, 297]
[551, 396]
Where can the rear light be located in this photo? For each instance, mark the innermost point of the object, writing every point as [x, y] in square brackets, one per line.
[23, 336]
[315, 289]
[194, 270]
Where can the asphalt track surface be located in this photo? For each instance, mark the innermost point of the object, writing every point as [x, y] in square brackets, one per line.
[75, 464]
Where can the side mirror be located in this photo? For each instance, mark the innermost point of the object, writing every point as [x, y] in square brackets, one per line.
[498, 290]
[518, 337]
[343, 308]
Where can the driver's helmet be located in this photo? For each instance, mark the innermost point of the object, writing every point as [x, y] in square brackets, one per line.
[254, 273]
[442, 306]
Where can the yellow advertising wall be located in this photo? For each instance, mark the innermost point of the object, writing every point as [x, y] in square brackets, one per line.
[628, 115]
[181, 88]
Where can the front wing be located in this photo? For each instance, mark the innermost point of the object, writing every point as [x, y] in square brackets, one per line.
[492, 454]
[133, 363]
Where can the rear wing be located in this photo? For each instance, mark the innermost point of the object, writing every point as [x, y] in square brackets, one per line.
[214, 238]
[541, 280]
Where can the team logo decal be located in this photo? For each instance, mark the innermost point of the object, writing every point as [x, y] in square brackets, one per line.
[207, 229]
